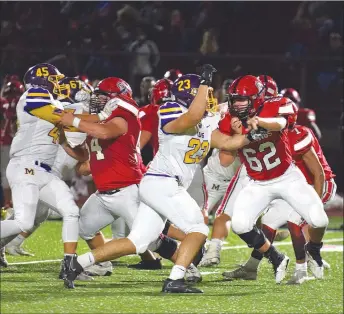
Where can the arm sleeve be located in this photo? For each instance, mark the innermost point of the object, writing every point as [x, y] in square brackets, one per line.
[169, 112]
[303, 142]
[40, 104]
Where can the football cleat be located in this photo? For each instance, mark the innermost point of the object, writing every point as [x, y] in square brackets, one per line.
[314, 260]
[280, 269]
[100, 269]
[326, 265]
[282, 235]
[299, 277]
[212, 256]
[178, 286]
[192, 274]
[242, 272]
[3, 260]
[71, 270]
[147, 265]
[84, 276]
[17, 251]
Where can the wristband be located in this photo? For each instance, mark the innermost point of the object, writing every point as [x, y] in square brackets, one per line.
[76, 122]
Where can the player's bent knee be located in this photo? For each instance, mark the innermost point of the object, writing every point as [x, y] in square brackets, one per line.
[26, 225]
[319, 219]
[241, 225]
[140, 242]
[200, 228]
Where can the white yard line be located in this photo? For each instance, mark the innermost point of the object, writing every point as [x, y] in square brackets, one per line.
[277, 244]
[223, 248]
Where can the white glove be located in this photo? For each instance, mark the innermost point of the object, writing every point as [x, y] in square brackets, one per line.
[110, 106]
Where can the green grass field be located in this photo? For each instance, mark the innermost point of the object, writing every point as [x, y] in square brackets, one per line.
[34, 288]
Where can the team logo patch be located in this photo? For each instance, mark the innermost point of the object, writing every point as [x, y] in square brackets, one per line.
[216, 187]
[29, 171]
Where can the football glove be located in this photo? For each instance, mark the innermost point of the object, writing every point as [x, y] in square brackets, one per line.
[257, 135]
[207, 74]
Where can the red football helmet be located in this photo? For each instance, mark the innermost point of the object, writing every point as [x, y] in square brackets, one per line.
[161, 92]
[292, 94]
[173, 74]
[245, 88]
[271, 89]
[109, 88]
[12, 88]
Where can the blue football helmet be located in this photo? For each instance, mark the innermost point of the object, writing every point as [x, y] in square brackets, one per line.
[74, 90]
[44, 75]
[185, 89]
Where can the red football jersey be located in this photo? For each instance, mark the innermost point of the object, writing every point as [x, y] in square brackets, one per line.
[269, 158]
[301, 140]
[116, 163]
[150, 122]
[8, 120]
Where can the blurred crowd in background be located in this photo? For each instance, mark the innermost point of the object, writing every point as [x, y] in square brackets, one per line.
[299, 44]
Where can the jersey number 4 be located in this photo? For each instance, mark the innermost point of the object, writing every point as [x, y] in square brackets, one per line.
[255, 163]
[95, 147]
[196, 146]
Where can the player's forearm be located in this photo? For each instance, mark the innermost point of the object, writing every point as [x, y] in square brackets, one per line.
[234, 142]
[272, 124]
[100, 131]
[319, 182]
[88, 117]
[198, 106]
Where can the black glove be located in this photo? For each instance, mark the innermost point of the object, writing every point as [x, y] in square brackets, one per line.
[207, 74]
[257, 135]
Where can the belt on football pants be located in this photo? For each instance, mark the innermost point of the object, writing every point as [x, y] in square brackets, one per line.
[163, 175]
[111, 192]
[43, 165]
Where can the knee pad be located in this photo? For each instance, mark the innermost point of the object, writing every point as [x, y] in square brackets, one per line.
[241, 224]
[197, 259]
[140, 241]
[255, 238]
[318, 218]
[167, 226]
[167, 247]
[200, 228]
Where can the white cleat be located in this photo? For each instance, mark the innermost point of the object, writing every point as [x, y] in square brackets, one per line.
[326, 265]
[212, 256]
[242, 272]
[281, 270]
[299, 277]
[17, 251]
[84, 277]
[192, 274]
[100, 269]
[316, 270]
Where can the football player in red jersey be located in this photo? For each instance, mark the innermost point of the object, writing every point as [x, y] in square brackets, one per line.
[309, 158]
[114, 158]
[11, 92]
[271, 173]
[305, 116]
[160, 93]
